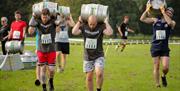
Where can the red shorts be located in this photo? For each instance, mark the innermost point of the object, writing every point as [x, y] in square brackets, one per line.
[46, 58]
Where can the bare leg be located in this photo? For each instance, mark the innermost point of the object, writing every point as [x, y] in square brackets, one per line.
[117, 46]
[99, 77]
[63, 61]
[123, 47]
[43, 76]
[51, 76]
[37, 82]
[89, 81]
[58, 61]
[38, 68]
[156, 70]
[37, 71]
[123, 44]
[165, 63]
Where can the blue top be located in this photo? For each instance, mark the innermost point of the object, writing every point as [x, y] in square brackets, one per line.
[37, 39]
[161, 33]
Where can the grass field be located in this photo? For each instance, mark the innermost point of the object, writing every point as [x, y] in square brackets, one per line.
[130, 70]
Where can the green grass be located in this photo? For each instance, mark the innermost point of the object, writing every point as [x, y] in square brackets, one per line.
[127, 71]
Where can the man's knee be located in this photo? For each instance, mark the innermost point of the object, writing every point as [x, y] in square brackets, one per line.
[165, 68]
[165, 64]
[99, 73]
[43, 68]
[89, 77]
[156, 68]
[51, 74]
[51, 70]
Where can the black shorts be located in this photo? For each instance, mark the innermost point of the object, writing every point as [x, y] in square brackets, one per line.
[160, 53]
[63, 47]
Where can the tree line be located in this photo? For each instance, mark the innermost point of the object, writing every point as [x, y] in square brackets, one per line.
[117, 8]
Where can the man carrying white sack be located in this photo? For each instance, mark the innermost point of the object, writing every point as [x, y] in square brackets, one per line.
[162, 28]
[93, 32]
[46, 46]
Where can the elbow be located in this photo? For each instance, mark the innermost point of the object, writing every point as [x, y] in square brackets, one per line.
[73, 32]
[141, 19]
[73, 24]
[170, 23]
[111, 33]
[30, 31]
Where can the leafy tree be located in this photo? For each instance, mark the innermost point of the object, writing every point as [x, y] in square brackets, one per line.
[117, 9]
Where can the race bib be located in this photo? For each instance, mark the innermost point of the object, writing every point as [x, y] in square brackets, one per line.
[63, 34]
[126, 33]
[160, 34]
[46, 39]
[16, 35]
[91, 43]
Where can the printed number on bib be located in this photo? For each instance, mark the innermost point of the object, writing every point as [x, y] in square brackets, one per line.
[160, 34]
[46, 39]
[63, 34]
[16, 35]
[126, 33]
[91, 43]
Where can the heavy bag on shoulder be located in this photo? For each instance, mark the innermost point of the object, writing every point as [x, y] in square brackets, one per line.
[100, 11]
[156, 4]
[64, 10]
[37, 8]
